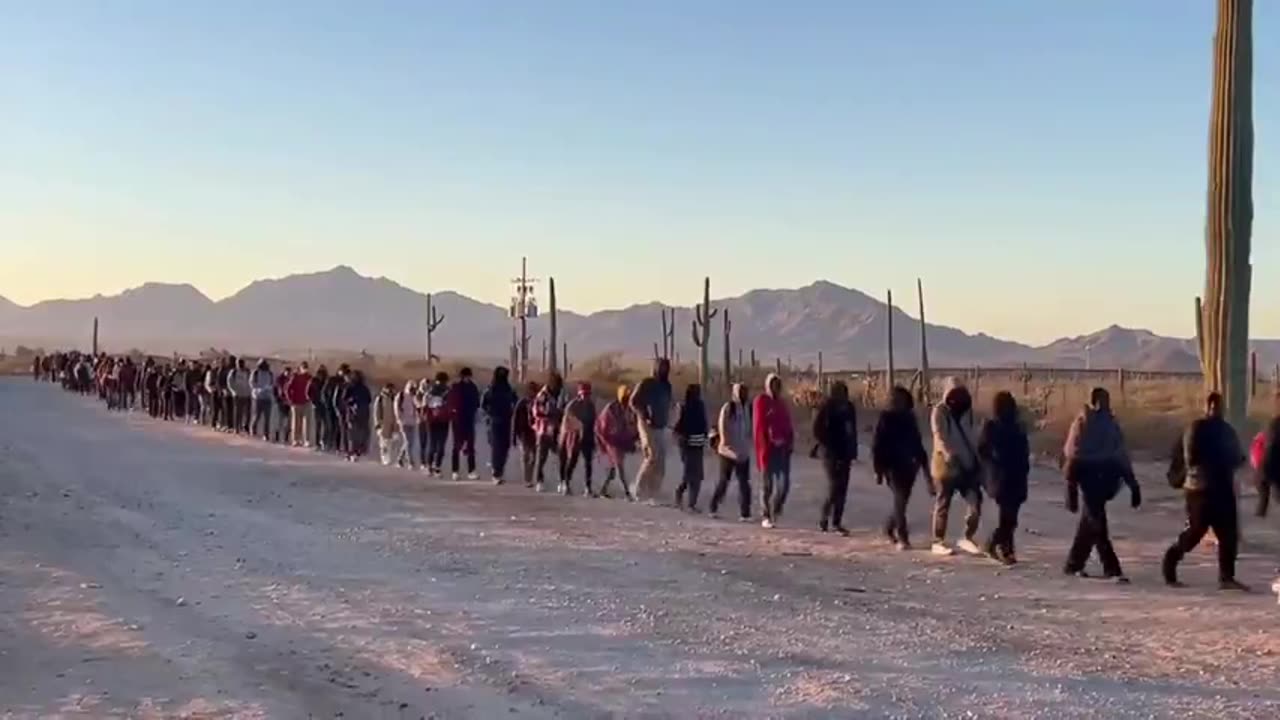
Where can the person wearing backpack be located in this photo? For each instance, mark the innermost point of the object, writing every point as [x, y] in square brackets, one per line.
[1004, 449]
[898, 456]
[439, 416]
[955, 467]
[1095, 461]
[835, 430]
[1204, 467]
[733, 447]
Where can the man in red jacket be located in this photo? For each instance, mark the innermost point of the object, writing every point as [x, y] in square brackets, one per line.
[774, 441]
[302, 414]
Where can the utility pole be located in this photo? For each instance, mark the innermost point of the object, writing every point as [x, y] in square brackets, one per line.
[524, 306]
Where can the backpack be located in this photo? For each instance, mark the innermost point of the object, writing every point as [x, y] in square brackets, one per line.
[1257, 450]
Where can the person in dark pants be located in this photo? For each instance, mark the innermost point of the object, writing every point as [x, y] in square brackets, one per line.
[1204, 467]
[835, 432]
[438, 420]
[464, 406]
[335, 389]
[1096, 461]
[262, 390]
[548, 413]
[733, 447]
[498, 404]
[618, 435]
[524, 433]
[898, 456]
[1267, 468]
[357, 401]
[773, 436]
[955, 467]
[1006, 453]
[690, 433]
[578, 440]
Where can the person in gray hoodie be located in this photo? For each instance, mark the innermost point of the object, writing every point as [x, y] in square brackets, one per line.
[733, 447]
[955, 467]
[1095, 461]
[241, 392]
[262, 387]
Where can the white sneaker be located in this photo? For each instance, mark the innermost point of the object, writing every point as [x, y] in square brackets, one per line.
[942, 549]
[969, 546]
[473, 476]
[1275, 588]
[455, 476]
[767, 524]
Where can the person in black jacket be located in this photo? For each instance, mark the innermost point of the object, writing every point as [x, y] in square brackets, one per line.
[464, 405]
[498, 404]
[1205, 468]
[690, 433]
[522, 432]
[318, 396]
[356, 402]
[897, 452]
[835, 430]
[1004, 449]
[333, 405]
[1268, 470]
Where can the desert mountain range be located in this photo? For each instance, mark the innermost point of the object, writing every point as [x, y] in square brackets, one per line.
[339, 309]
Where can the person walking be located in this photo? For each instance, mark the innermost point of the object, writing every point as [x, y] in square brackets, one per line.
[284, 414]
[1204, 468]
[955, 467]
[303, 398]
[617, 436]
[386, 424]
[1267, 464]
[499, 404]
[548, 414]
[464, 406]
[1095, 462]
[356, 400]
[898, 456]
[241, 390]
[438, 420]
[578, 440]
[262, 390]
[651, 401]
[1006, 453]
[835, 430]
[733, 449]
[774, 440]
[691, 434]
[336, 398]
[524, 433]
[407, 421]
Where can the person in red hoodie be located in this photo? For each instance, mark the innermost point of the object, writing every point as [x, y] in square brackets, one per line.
[774, 441]
[302, 414]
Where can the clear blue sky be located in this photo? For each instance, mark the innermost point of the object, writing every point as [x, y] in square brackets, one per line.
[1040, 163]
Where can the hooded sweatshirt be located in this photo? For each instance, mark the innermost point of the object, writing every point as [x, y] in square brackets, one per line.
[691, 428]
[238, 382]
[579, 419]
[734, 427]
[262, 383]
[835, 428]
[407, 406]
[548, 412]
[1004, 449]
[773, 432]
[298, 391]
[616, 426]
[1211, 455]
[499, 400]
[464, 402]
[385, 417]
[954, 444]
[897, 449]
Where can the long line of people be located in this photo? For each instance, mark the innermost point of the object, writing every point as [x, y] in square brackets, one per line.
[414, 423]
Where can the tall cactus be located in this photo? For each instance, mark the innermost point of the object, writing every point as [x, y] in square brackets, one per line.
[433, 323]
[889, 341]
[564, 359]
[552, 365]
[924, 347]
[701, 326]
[95, 337]
[1225, 315]
[728, 356]
[668, 333]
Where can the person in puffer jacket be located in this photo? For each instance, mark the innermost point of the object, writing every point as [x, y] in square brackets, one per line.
[774, 439]
[898, 456]
[262, 387]
[357, 402]
[1095, 461]
[498, 404]
[691, 433]
[733, 446]
[439, 416]
[1004, 449]
[618, 435]
[578, 440]
[955, 465]
[835, 430]
[241, 390]
[464, 406]
[386, 425]
[407, 420]
[548, 413]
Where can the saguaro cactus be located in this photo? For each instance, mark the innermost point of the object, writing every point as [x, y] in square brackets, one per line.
[889, 341]
[728, 356]
[924, 347]
[433, 323]
[822, 386]
[701, 326]
[564, 358]
[95, 337]
[1224, 338]
[668, 333]
[552, 365]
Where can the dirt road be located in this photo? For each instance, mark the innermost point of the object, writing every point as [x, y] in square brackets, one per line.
[158, 570]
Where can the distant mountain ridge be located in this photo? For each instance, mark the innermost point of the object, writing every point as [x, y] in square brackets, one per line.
[340, 309]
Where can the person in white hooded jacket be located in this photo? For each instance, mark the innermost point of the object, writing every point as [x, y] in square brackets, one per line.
[955, 466]
[734, 448]
[241, 392]
[407, 420]
[262, 387]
